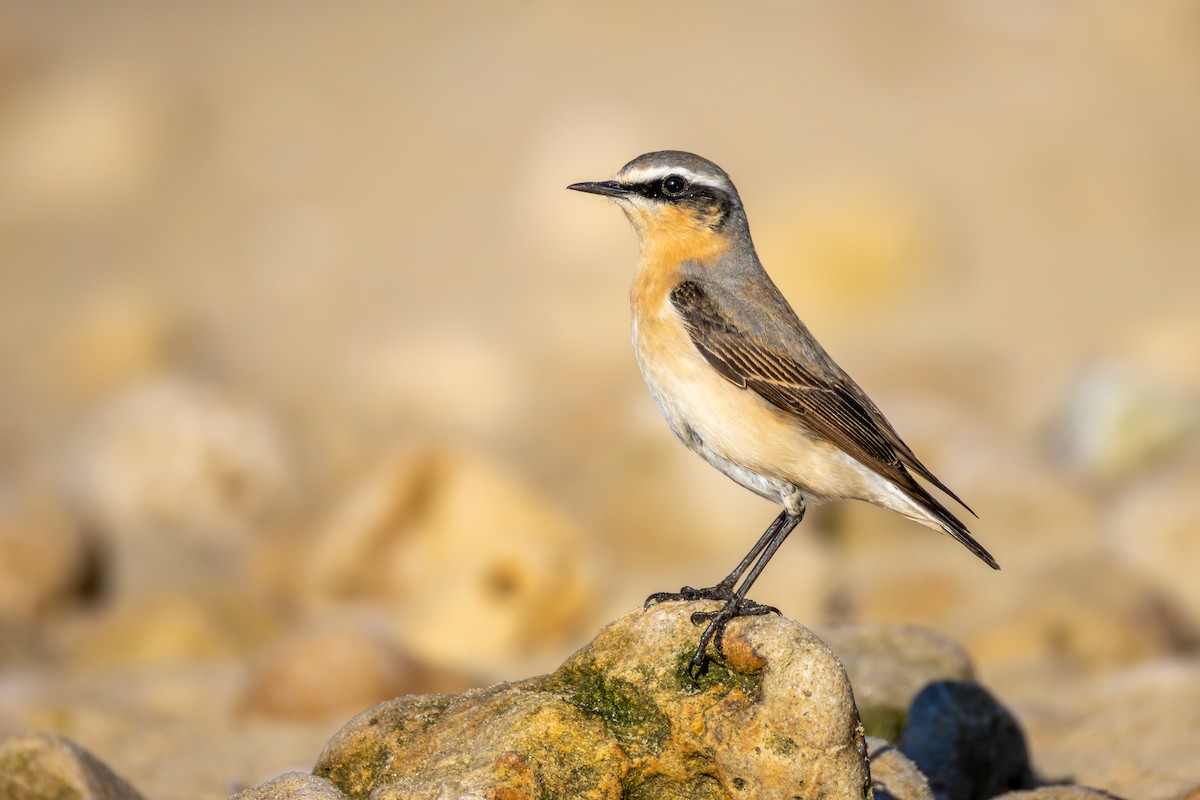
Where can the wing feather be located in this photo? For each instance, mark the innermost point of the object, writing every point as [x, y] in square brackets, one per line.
[836, 410]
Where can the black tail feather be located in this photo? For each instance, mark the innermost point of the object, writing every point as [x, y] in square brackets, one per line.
[949, 523]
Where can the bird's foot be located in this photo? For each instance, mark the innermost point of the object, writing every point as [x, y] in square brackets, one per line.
[715, 632]
[722, 591]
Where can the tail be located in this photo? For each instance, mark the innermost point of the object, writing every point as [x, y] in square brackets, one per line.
[940, 517]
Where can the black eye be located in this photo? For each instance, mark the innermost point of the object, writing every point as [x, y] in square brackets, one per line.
[674, 185]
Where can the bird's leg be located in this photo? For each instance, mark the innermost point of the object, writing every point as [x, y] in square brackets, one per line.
[737, 605]
[724, 589]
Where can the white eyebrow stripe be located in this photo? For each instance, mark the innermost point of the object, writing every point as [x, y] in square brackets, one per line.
[648, 174]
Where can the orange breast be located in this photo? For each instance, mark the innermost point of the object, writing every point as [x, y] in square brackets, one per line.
[670, 237]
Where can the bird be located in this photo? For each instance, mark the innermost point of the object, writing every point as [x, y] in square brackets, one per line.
[743, 383]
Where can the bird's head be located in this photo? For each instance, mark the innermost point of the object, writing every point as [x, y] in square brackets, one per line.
[675, 199]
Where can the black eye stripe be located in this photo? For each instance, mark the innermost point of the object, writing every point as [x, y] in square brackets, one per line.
[672, 187]
[713, 204]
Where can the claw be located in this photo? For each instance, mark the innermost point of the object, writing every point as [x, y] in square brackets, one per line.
[698, 666]
[714, 634]
[719, 592]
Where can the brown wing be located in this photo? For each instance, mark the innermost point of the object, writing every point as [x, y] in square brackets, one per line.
[829, 409]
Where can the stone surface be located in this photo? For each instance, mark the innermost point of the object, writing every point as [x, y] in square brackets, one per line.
[893, 775]
[622, 718]
[292, 786]
[463, 556]
[889, 664]
[965, 742]
[43, 767]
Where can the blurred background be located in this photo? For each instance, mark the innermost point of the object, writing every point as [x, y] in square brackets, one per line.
[317, 386]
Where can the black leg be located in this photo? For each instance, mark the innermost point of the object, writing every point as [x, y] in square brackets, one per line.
[724, 589]
[737, 605]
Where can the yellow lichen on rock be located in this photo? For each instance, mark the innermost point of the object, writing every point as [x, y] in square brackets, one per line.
[622, 718]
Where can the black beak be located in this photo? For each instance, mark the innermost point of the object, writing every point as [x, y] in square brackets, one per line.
[606, 188]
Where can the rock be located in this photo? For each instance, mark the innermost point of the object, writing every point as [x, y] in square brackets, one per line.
[501, 742]
[164, 627]
[1058, 793]
[45, 558]
[331, 667]
[1116, 422]
[175, 458]
[174, 478]
[893, 775]
[1085, 610]
[622, 719]
[1154, 530]
[889, 664]
[1090, 611]
[966, 743]
[292, 786]
[43, 767]
[463, 557]
[1132, 731]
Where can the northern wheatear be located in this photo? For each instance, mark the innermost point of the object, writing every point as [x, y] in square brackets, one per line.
[740, 379]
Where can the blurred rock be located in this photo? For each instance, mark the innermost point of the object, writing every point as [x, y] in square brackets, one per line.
[292, 786]
[43, 767]
[893, 775]
[1084, 609]
[172, 477]
[889, 665]
[478, 571]
[1092, 612]
[119, 335]
[176, 457]
[332, 667]
[965, 742]
[622, 718]
[1132, 731]
[163, 627]
[1154, 528]
[1116, 421]
[1058, 793]
[44, 556]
